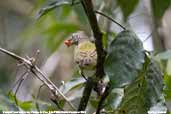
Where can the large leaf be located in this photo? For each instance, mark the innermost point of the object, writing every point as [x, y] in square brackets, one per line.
[145, 93]
[159, 7]
[127, 7]
[134, 101]
[155, 85]
[126, 57]
[155, 82]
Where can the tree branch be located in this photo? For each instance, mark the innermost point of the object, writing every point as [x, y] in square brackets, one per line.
[29, 64]
[88, 8]
[86, 94]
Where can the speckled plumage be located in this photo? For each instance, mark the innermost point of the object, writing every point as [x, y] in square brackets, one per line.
[85, 55]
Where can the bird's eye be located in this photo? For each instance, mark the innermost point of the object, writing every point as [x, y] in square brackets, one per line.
[72, 36]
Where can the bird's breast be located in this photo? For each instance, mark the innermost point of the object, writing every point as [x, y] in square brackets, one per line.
[86, 56]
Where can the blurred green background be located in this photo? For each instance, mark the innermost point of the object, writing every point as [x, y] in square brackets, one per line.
[22, 33]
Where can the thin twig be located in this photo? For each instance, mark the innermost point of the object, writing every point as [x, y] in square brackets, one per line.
[148, 37]
[20, 82]
[15, 84]
[110, 18]
[39, 74]
[37, 96]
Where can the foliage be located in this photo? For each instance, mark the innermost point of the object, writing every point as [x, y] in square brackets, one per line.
[145, 92]
[127, 7]
[159, 7]
[27, 105]
[167, 89]
[142, 86]
[135, 79]
[125, 58]
[53, 26]
[6, 104]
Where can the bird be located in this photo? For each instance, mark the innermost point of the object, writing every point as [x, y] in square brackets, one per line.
[85, 55]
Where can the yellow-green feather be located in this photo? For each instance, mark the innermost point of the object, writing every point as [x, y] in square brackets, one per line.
[86, 52]
[86, 46]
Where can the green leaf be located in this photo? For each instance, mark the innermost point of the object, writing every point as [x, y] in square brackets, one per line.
[114, 99]
[163, 55]
[66, 10]
[94, 102]
[27, 105]
[108, 38]
[73, 84]
[81, 14]
[127, 7]
[12, 96]
[51, 7]
[167, 89]
[155, 82]
[57, 32]
[159, 7]
[145, 93]
[134, 101]
[5, 103]
[126, 57]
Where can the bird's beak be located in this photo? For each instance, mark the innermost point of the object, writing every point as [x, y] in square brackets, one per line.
[68, 42]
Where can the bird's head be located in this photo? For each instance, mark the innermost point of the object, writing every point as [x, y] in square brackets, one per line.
[75, 38]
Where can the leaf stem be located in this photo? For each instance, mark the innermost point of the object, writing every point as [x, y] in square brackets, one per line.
[110, 18]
